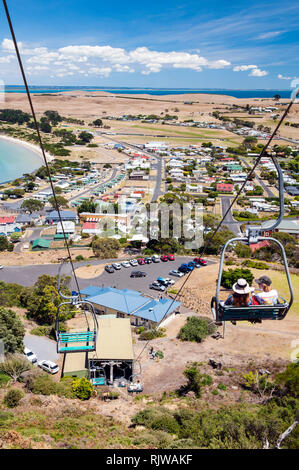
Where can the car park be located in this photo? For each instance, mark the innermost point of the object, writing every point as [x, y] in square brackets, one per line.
[137, 274]
[164, 258]
[30, 355]
[141, 261]
[155, 285]
[171, 257]
[175, 272]
[109, 269]
[155, 259]
[116, 266]
[49, 366]
[125, 264]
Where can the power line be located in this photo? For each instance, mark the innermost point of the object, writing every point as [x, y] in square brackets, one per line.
[39, 138]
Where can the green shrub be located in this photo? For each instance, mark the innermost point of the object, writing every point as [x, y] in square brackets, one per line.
[215, 392]
[221, 386]
[232, 275]
[65, 387]
[41, 331]
[196, 380]
[160, 354]
[152, 334]
[255, 264]
[13, 397]
[196, 329]
[44, 385]
[4, 379]
[82, 388]
[80, 257]
[139, 330]
[289, 379]
[159, 419]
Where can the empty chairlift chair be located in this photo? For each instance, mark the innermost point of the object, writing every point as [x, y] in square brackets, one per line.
[76, 341]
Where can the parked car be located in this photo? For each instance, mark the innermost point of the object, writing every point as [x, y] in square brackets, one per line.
[30, 355]
[1, 267]
[109, 269]
[125, 264]
[200, 261]
[155, 285]
[156, 259]
[133, 262]
[116, 266]
[165, 281]
[141, 261]
[164, 258]
[148, 260]
[137, 274]
[175, 272]
[49, 366]
[171, 257]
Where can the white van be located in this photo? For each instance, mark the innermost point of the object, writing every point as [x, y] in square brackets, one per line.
[30, 355]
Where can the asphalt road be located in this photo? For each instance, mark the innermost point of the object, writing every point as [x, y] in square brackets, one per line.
[28, 275]
[42, 347]
[261, 182]
[229, 220]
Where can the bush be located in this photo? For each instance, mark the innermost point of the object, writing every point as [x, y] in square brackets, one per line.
[289, 379]
[41, 331]
[44, 385]
[4, 379]
[159, 419]
[82, 388]
[196, 380]
[221, 386]
[13, 397]
[196, 329]
[232, 275]
[255, 264]
[79, 258]
[11, 331]
[148, 335]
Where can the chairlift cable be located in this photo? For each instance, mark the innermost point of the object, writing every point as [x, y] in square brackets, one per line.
[40, 139]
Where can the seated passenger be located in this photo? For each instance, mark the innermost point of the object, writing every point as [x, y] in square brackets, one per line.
[242, 295]
[268, 296]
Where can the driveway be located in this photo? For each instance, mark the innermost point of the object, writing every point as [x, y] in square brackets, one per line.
[42, 347]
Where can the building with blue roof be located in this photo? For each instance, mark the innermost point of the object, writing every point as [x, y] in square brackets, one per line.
[127, 303]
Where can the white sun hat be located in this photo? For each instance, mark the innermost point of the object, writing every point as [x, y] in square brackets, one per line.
[242, 287]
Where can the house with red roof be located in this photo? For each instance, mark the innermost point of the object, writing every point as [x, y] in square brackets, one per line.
[224, 187]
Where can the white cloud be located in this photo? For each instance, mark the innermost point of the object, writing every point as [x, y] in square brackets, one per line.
[6, 59]
[269, 35]
[255, 71]
[242, 68]
[102, 60]
[282, 77]
[258, 73]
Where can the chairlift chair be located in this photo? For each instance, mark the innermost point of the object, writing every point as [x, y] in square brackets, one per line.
[76, 341]
[222, 313]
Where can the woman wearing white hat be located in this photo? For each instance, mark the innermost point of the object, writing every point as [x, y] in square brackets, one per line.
[241, 296]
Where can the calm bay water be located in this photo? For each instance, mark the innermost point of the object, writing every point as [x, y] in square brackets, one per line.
[155, 91]
[16, 159]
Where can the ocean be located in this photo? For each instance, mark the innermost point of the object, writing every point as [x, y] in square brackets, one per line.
[154, 91]
[16, 159]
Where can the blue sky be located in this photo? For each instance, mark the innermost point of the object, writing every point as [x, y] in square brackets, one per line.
[187, 44]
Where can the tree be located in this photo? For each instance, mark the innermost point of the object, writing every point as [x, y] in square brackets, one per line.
[11, 331]
[53, 117]
[45, 127]
[196, 380]
[61, 201]
[98, 123]
[196, 329]
[32, 205]
[232, 275]
[85, 137]
[87, 206]
[4, 243]
[14, 366]
[105, 248]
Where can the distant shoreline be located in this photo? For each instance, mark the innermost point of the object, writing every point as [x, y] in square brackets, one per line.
[32, 147]
[236, 93]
